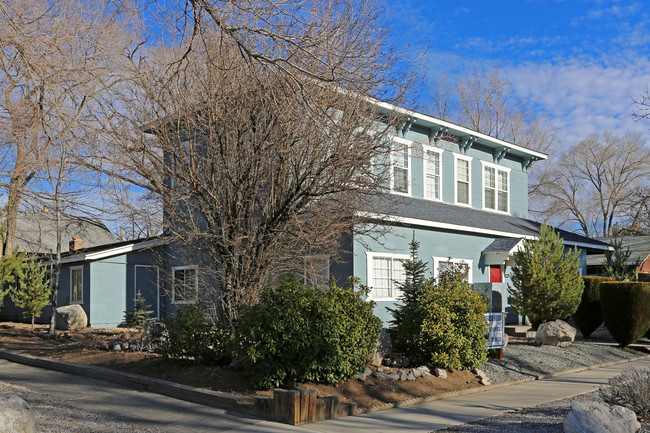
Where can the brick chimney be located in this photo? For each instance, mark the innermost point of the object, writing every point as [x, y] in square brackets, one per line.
[76, 244]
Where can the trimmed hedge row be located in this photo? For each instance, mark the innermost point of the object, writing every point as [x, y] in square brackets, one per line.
[588, 316]
[626, 309]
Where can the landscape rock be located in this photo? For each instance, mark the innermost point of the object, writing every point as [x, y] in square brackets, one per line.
[375, 359]
[416, 372]
[484, 381]
[402, 374]
[15, 415]
[556, 333]
[125, 345]
[381, 376]
[152, 334]
[71, 317]
[362, 376]
[410, 376]
[117, 347]
[394, 376]
[440, 372]
[595, 417]
[384, 346]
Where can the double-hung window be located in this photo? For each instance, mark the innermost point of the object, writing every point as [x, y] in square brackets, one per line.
[185, 284]
[385, 272]
[496, 186]
[76, 284]
[463, 187]
[432, 173]
[445, 264]
[401, 167]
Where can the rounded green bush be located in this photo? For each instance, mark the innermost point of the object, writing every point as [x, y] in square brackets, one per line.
[305, 334]
[626, 309]
[191, 336]
[440, 321]
[588, 316]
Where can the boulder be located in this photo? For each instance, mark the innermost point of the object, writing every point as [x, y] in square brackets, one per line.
[152, 334]
[556, 333]
[71, 317]
[440, 372]
[595, 417]
[15, 415]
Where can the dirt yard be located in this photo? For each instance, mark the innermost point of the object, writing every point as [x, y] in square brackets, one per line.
[91, 347]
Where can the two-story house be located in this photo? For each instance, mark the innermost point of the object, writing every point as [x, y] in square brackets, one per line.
[464, 196]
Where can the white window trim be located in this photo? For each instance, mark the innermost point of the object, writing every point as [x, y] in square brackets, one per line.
[317, 256]
[196, 284]
[408, 144]
[425, 149]
[468, 262]
[72, 269]
[370, 273]
[469, 193]
[496, 168]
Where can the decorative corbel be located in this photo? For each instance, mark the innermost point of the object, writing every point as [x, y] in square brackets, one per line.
[499, 153]
[466, 143]
[406, 127]
[527, 163]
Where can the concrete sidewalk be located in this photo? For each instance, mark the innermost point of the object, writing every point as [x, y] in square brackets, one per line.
[171, 415]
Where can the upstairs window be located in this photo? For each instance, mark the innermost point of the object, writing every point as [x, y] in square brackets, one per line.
[463, 180]
[385, 272]
[432, 177]
[445, 264]
[185, 285]
[400, 174]
[495, 188]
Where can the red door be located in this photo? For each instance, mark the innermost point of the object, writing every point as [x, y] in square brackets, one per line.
[495, 274]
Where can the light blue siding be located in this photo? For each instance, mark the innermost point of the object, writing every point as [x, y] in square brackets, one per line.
[108, 279]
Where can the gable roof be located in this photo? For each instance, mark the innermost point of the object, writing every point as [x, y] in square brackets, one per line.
[418, 212]
[639, 249]
[110, 250]
[36, 232]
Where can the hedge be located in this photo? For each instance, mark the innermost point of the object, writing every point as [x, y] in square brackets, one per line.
[626, 309]
[588, 317]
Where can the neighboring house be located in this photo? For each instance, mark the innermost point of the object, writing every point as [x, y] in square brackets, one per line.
[36, 232]
[104, 280]
[639, 255]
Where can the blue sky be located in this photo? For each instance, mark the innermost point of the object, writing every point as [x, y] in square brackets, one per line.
[580, 62]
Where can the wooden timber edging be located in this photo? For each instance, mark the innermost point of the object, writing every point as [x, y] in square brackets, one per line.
[287, 406]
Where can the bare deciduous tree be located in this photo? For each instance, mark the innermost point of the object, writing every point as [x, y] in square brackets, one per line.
[599, 182]
[486, 103]
[264, 132]
[55, 60]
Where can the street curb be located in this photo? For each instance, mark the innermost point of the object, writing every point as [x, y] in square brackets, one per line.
[228, 402]
[144, 383]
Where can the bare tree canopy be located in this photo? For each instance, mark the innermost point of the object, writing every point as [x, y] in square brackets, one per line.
[260, 135]
[600, 182]
[485, 102]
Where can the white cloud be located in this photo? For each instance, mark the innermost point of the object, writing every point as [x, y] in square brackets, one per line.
[583, 98]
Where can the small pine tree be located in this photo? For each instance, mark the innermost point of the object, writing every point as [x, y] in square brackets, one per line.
[616, 262]
[140, 314]
[31, 291]
[10, 267]
[547, 283]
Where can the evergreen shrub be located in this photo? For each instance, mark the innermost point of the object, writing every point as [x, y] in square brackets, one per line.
[440, 321]
[301, 333]
[547, 284]
[626, 309]
[140, 315]
[191, 336]
[588, 316]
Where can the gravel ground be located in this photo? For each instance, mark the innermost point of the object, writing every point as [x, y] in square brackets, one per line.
[545, 418]
[522, 360]
[55, 416]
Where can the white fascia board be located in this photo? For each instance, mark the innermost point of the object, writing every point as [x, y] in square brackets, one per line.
[584, 245]
[123, 249]
[444, 226]
[458, 128]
